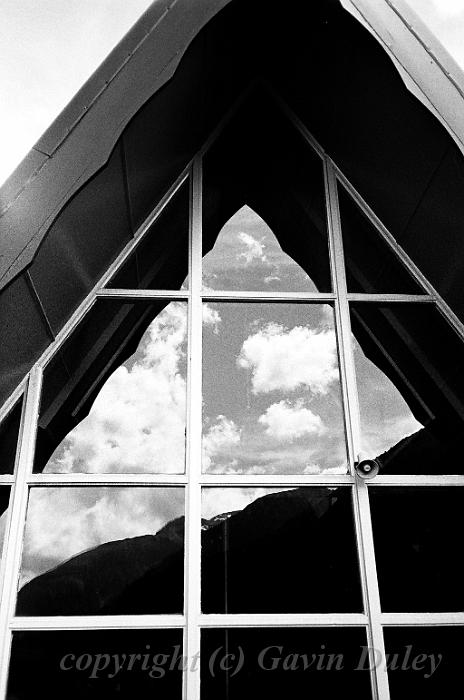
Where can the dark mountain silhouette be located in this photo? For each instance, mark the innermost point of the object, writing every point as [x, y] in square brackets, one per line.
[292, 550]
[431, 450]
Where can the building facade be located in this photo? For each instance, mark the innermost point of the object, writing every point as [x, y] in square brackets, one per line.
[232, 347]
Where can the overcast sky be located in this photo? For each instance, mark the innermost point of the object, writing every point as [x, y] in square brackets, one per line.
[48, 48]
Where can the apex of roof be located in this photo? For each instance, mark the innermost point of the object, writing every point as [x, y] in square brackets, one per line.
[80, 140]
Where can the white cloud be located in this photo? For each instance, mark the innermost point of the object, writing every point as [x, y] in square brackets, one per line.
[137, 423]
[271, 278]
[282, 359]
[63, 522]
[211, 316]
[218, 442]
[254, 250]
[286, 421]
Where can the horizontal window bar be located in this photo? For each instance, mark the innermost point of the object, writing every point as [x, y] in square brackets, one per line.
[136, 294]
[401, 298]
[421, 619]
[417, 480]
[182, 479]
[267, 296]
[98, 622]
[106, 479]
[282, 620]
[273, 480]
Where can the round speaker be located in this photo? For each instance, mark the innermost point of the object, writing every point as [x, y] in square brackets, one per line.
[367, 468]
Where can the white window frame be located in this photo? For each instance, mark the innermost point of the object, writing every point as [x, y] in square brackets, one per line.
[192, 621]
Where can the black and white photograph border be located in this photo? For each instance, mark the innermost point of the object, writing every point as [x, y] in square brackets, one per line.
[231, 341]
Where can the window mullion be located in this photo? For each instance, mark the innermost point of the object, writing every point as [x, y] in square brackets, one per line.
[191, 684]
[364, 536]
[18, 505]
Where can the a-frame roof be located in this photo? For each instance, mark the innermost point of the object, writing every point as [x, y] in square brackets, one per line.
[79, 141]
[100, 168]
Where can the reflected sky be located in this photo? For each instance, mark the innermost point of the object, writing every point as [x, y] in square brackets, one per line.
[65, 521]
[247, 256]
[385, 416]
[271, 390]
[137, 422]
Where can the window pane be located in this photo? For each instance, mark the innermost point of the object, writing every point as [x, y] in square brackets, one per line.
[428, 664]
[135, 422]
[160, 261]
[411, 388]
[247, 256]
[9, 432]
[418, 532]
[279, 551]
[98, 664]
[262, 161]
[96, 551]
[271, 390]
[316, 663]
[4, 501]
[371, 265]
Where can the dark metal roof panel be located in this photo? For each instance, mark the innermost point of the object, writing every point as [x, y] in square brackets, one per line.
[76, 145]
[79, 146]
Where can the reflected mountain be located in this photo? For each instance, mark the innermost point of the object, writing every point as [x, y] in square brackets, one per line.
[424, 452]
[292, 551]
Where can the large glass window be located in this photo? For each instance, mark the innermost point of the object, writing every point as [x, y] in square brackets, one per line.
[187, 513]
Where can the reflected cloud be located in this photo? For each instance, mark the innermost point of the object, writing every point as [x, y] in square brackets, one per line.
[292, 434]
[254, 248]
[287, 421]
[282, 359]
[218, 441]
[137, 423]
[65, 521]
[247, 256]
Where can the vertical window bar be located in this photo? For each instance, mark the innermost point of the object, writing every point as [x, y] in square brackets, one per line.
[18, 505]
[364, 536]
[191, 685]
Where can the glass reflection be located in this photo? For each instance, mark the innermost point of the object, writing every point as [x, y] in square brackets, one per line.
[371, 265]
[247, 256]
[424, 662]
[160, 261]
[261, 166]
[9, 432]
[279, 551]
[4, 501]
[94, 551]
[296, 663]
[411, 388]
[137, 421]
[271, 390]
[96, 664]
[421, 541]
